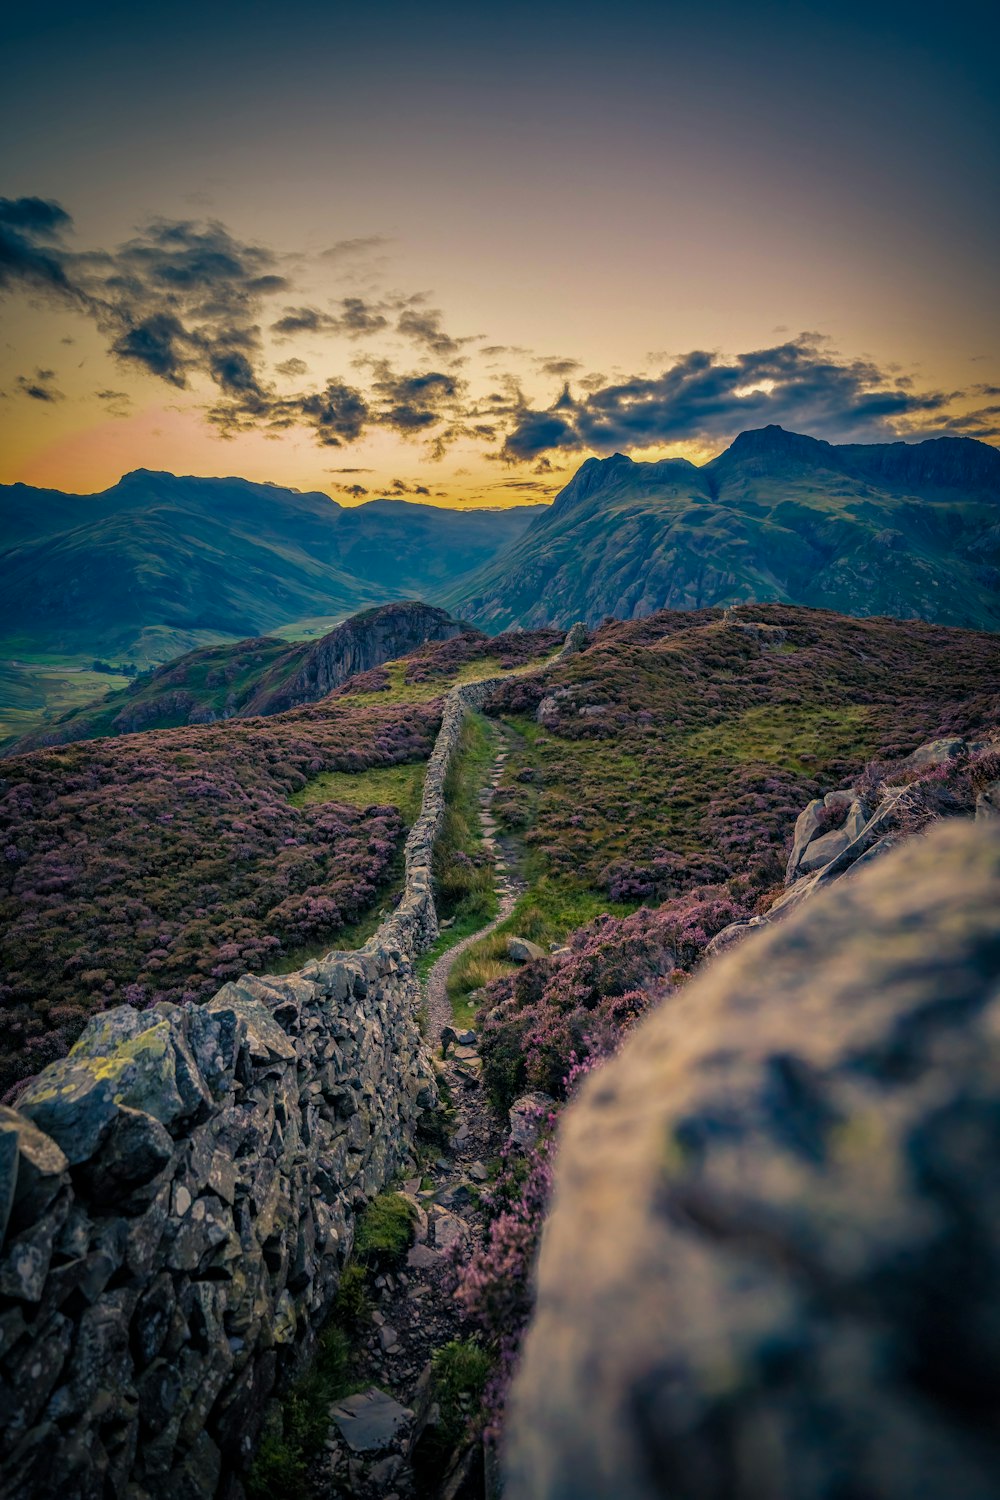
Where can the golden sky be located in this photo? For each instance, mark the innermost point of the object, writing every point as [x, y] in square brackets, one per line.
[448, 255]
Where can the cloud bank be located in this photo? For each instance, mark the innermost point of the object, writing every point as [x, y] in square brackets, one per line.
[186, 301]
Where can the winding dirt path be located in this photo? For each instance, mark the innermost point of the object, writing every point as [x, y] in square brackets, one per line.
[415, 1311]
[507, 887]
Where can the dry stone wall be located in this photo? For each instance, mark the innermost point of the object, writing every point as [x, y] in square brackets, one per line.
[178, 1197]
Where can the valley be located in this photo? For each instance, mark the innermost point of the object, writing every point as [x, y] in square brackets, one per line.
[311, 949]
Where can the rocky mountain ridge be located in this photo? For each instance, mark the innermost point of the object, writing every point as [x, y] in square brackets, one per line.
[911, 530]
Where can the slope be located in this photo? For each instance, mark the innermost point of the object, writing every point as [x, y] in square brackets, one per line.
[896, 529]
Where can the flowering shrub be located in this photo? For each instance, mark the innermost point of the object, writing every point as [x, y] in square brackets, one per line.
[515, 648]
[578, 1005]
[159, 865]
[681, 753]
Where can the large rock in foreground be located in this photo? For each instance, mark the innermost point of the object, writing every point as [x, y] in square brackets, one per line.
[772, 1269]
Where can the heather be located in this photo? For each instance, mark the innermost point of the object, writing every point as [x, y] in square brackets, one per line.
[676, 752]
[577, 1004]
[157, 866]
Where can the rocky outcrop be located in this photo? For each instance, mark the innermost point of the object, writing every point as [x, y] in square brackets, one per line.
[178, 1198]
[772, 1266]
[365, 641]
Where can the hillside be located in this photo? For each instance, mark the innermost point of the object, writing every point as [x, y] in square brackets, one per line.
[159, 563]
[895, 529]
[257, 676]
[155, 865]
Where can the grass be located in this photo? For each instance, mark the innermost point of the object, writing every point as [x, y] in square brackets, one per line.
[36, 688]
[384, 1230]
[789, 736]
[463, 878]
[380, 786]
[401, 691]
[460, 1370]
[551, 907]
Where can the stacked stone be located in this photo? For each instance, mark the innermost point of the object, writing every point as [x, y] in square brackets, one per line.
[177, 1202]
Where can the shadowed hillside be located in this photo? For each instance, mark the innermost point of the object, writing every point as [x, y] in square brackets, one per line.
[891, 529]
[159, 563]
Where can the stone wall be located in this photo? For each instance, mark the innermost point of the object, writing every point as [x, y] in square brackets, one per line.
[771, 1270]
[177, 1202]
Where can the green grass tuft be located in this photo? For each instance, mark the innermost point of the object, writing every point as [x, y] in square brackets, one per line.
[379, 786]
[384, 1231]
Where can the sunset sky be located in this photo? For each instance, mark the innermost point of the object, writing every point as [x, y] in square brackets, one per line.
[447, 251]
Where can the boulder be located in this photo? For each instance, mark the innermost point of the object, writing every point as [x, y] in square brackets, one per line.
[988, 803]
[733, 934]
[526, 1116]
[370, 1421]
[807, 826]
[76, 1099]
[32, 1170]
[934, 753]
[819, 852]
[771, 1270]
[521, 951]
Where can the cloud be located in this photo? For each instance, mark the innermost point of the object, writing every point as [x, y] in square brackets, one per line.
[180, 298]
[292, 368]
[411, 403]
[117, 403]
[423, 327]
[356, 319]
[558, 367]
[362, 245]
[702, 396]
[39, 386]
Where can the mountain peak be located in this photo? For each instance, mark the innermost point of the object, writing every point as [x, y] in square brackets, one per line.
[773, 441]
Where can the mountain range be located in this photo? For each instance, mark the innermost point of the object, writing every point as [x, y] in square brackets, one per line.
[907, 530]
[158, 564]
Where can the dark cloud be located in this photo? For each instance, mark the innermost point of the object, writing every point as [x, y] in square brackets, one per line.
[39, 386]
[292, 368]
[356, 491]
[561, 368]
[797, 384]
[30, 252]
[411, 403]
[357, 319]
[177, 299]
[422, 326]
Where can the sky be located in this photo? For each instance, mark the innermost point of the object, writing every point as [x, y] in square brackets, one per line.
[448, 252]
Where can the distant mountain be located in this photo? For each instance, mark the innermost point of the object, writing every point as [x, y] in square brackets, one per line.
[911, 530]
[250, 678]
[158, 564]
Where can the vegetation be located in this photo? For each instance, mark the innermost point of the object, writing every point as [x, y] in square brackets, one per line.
[388, 786]
[463, 875]
[460, 1370]
[43, 683]
[159, 865]
[384, 1231]
[897, 529]
[681, 750]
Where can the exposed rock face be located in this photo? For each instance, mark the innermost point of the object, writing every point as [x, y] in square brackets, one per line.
[772, 1268]
[365, 641]
[177, 1201]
